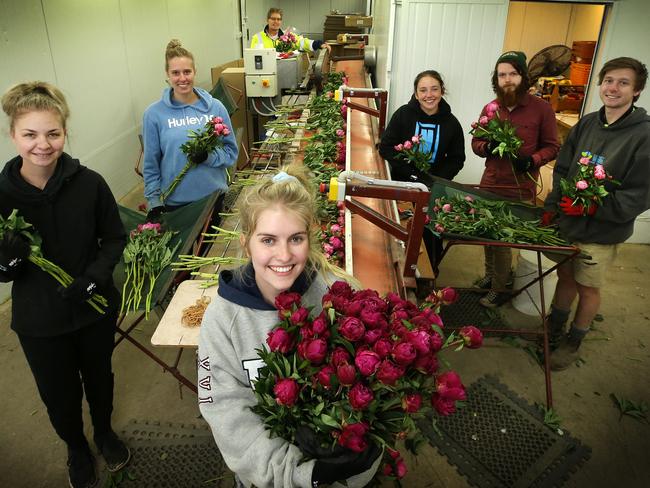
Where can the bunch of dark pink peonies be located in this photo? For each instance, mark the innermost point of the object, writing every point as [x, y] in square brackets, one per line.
[363, 370]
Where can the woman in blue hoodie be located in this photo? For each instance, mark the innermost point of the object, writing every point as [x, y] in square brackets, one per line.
[183, 107]
[428, 116]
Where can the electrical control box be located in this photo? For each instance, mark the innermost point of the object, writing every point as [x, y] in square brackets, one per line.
[261, 71]
[260, 61]
[261, 85]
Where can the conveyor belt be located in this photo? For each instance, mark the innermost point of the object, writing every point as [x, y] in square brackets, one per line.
[373, 250]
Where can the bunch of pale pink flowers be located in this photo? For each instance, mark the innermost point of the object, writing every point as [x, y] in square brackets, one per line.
[584, 193]
[412, 152]
[500, 132]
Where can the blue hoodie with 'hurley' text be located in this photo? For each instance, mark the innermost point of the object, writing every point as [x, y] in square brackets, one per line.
[166, 126]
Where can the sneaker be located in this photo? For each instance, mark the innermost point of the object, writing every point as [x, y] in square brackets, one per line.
[485, 283]
[114, 451]
[493, 299]
[564, 355]
[81, 468]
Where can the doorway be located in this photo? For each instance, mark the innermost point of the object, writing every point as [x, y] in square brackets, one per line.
[560, 40]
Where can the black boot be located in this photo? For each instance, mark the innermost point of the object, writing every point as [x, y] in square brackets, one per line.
[566, 352]
[81, 468]
[114, 451]
[556, 321]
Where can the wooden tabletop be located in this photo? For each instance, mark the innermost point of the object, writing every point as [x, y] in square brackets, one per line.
[170, 332]
[567, 120]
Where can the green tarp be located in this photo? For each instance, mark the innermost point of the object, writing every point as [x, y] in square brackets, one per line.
[187, 222]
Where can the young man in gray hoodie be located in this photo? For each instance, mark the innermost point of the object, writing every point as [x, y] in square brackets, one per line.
[618, 137]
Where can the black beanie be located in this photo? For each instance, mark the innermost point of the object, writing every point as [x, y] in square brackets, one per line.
[516, 58]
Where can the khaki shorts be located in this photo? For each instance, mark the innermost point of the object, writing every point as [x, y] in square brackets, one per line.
[590, 271]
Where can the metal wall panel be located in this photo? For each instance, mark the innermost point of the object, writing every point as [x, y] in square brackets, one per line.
[459, 38]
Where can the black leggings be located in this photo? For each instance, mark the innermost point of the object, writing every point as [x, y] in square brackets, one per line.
[62, 365]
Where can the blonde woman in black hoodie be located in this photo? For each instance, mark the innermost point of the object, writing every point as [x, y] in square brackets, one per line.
[68, 344]
[429, 116]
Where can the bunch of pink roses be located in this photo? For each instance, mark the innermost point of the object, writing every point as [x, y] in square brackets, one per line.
[363, 370]
[411, 152]
[203, 141]
[584, 193]
[499, 131]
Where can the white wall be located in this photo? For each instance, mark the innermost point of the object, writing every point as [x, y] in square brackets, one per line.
[108, 58]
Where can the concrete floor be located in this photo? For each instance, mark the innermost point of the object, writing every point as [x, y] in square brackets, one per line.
[616, 355]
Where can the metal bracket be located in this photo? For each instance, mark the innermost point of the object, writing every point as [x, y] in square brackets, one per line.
[350, 184]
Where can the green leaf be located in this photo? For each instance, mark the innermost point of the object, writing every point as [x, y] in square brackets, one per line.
[632, 409]
[319, 408]
[329, 421]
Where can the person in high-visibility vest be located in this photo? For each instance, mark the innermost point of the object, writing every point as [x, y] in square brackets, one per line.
[269, 36]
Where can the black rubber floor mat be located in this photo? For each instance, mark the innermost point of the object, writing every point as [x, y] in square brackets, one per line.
[468, 311]
[498, 440]
[138, 430]
[167, 455]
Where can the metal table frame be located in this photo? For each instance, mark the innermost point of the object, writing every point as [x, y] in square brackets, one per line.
[569, 252]
[196, 242]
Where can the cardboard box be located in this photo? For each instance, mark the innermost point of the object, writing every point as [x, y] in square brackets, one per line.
[358, 21]
[234, 79]
[217, 70]
[567, 98]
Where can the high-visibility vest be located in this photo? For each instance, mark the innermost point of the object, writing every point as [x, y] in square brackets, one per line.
[262, 40]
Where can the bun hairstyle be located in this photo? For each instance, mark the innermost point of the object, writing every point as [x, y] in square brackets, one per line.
[34, 96]
[176, 50]
[295, 192]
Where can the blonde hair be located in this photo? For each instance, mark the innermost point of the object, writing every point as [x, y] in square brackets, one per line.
[176, 50]
[296, 196]
[34, 96]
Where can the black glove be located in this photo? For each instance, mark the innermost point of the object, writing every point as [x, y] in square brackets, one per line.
[334, 464]
[310, 445]
[153, 215]
[14, 249]
[522, 164]
[329, 470]
[317, 44]
[80, 290]
[198, 157]
[490, 147]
